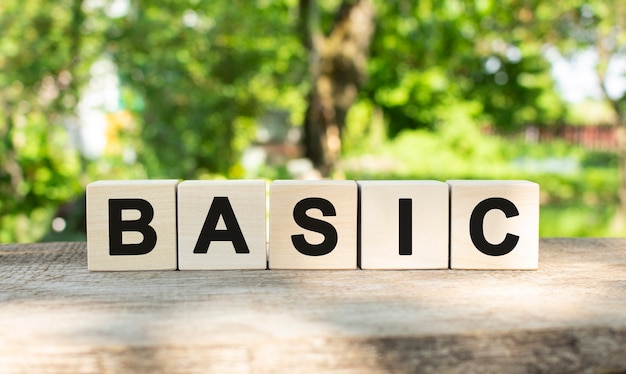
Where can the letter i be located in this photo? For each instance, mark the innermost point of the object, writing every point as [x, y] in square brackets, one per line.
[405, 227]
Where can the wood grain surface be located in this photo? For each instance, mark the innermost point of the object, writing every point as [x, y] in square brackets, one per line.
[568, 316]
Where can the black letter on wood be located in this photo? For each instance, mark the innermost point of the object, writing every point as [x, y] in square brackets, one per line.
[221, 207]
[476, 226]
[405, 230]
[313, 224]
[141, 225]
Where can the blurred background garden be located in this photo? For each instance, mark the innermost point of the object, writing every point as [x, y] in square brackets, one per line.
[361, 89]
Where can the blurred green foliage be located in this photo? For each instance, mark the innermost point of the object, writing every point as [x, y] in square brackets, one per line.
[577, 186]
[197, 76]
[429, 56]
[41, 65]
[206, 71]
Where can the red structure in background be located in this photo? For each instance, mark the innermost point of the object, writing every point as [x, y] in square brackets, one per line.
[599, 137]
[596, 137]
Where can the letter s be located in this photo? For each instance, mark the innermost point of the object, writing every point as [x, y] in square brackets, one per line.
[314, 224]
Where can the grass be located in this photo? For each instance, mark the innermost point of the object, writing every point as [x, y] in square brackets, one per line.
[578, 187]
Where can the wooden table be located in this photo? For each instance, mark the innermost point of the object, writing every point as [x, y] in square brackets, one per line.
[569, 316]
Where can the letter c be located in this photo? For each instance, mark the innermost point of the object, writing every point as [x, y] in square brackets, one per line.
[477, 221]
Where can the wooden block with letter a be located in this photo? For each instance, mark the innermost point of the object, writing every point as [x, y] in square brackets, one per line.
[404, 224]
[494, 224]
[131, 225]
[221, 225]
[313, 225]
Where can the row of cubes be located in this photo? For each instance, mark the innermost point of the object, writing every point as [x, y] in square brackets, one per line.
[409, 224]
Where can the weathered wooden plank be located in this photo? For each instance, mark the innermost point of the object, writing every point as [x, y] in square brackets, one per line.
[568, 316]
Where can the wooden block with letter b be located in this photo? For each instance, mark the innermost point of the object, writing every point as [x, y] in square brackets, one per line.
[404, 224]
[221, 225]
[131, 225]
[494, 224]
[313, 225]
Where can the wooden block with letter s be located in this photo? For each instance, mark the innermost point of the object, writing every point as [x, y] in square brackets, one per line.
[313, 225]
[221, 225]
[494, 224]
[131, 225]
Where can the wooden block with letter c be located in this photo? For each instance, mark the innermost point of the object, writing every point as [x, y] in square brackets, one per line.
[494, 224]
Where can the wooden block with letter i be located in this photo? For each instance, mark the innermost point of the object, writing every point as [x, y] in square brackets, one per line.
[221, 225]
[494, 224]
[131, 225]
[313, 225]
[404, 224]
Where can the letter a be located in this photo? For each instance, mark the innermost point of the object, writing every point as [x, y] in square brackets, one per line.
[221, 207]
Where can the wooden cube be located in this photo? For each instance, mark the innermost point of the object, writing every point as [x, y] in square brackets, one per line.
[131, 225]
[221, 225]
[313, 225]
[494, 224]
[404, 224]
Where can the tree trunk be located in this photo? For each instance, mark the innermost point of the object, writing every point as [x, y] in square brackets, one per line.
[337, 67]
[619, 123]
[608, 45]
[619, 220]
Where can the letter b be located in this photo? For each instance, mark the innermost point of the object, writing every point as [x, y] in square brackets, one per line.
[117, 226]
[131, 225]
